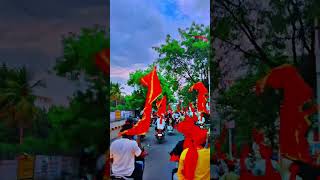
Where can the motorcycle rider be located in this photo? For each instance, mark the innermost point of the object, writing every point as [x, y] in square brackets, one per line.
[122, 156]
[160, 124]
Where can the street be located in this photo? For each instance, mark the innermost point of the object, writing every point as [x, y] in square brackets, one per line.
[158, 166]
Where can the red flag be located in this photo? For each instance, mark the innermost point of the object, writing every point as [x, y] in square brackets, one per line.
[294, 121]
[151, 81]
[258, 137]
[142, 127]
[202, 96]
[191, 107]
[102, 60]
[194, 137]
[201, 37]
[179, 107]
[161, 105]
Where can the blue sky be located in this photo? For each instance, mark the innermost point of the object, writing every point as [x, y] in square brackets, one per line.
[138, 25]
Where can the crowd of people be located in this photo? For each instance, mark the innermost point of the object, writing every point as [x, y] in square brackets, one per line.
[191, 154]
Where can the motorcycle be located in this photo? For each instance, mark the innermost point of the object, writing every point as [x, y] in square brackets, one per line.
[160, 135]
[170, 128]
[139, 160]
[201, 125]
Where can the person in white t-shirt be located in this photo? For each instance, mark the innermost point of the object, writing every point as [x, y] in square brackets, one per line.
[160, 125]
[122, 154]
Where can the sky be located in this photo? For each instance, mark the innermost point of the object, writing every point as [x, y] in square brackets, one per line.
[138, 25]
[31, 33]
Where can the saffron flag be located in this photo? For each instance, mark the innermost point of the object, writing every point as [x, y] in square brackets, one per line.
[161, 105]
[202, 96]
[191, 107]
[102, 60]
[151, 81]
[202, 38]
[179, 107]
[294, 121]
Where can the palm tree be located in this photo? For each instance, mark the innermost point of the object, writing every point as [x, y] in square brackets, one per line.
[17, 100]
[115, 92]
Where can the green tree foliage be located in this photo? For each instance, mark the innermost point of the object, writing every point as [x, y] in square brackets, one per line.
[240, 103]
[265, 36]
[88, 110]
[17, 100]
[115, 94]
[186, 59]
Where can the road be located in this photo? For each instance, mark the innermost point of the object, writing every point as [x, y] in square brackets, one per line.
[158, 166]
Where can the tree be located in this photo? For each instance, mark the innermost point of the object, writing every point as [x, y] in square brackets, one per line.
[269, 34]
[260, 37]
[186, 59]
[249, 111]
[17, 99]
[115, 92]
[88, 109]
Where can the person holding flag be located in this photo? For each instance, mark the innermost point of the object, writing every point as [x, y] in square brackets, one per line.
[124, 150]
[194, 162]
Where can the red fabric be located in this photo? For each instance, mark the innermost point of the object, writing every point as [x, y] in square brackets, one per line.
[161, 105]
[151, 81]
[102, 60]
[174, 158]
[179, 107]
[294, 170]
[258, 137]
[107, 166]
[190, 164]
[191, 107]
[245, 174]
[202, 96]
[194, 137]
[293, 125]
[201, 37]
[142, 127]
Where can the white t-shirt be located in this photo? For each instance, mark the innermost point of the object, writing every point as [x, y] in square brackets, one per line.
[160, 126]
[123, 152]
[201, 120]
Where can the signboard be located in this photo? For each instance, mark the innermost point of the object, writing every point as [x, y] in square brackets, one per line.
[118, 115]
[25, 167]
[41, 167]
[54, 167]
[112, 116]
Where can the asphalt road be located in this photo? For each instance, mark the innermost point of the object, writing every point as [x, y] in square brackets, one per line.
[157, 164]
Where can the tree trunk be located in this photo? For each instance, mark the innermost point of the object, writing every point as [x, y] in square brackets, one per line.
[21, 135]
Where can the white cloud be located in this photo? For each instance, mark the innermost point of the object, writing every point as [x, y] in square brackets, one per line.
[138, 25]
